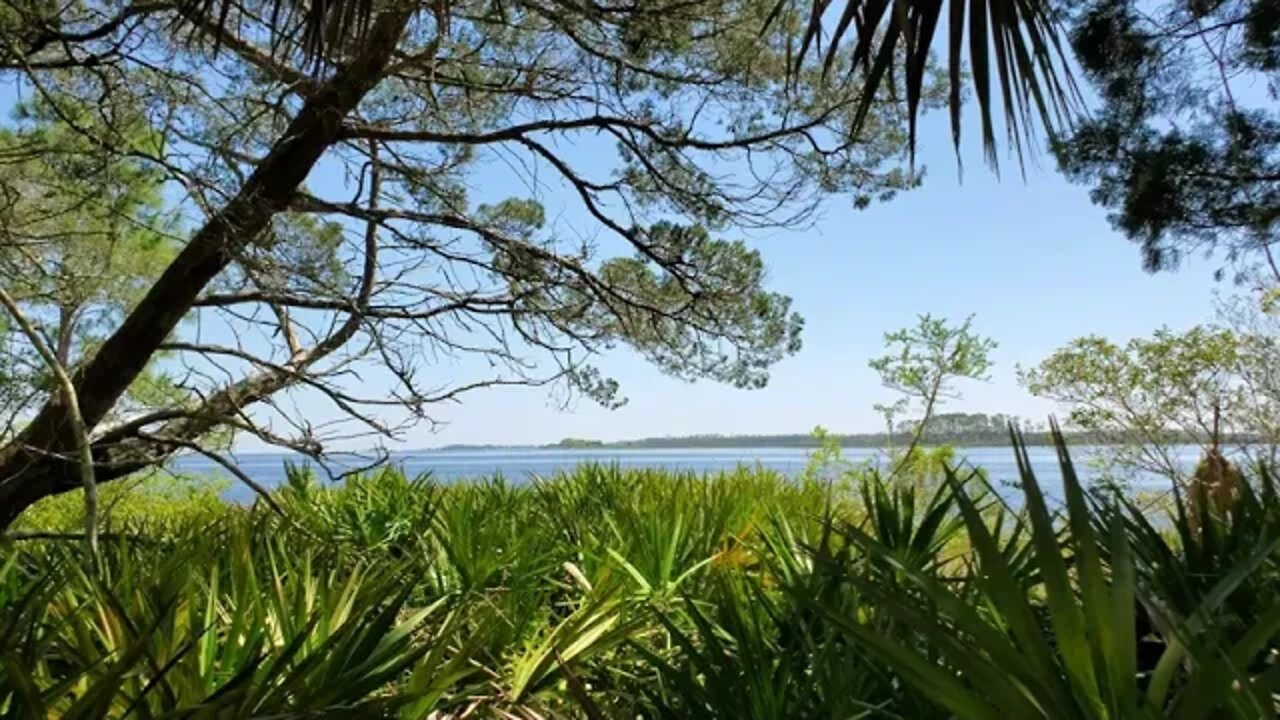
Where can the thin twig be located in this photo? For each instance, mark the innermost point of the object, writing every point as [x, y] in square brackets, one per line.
[72, 400]
[230, 467]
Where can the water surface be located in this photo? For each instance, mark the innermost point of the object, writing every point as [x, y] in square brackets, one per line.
[519, 465]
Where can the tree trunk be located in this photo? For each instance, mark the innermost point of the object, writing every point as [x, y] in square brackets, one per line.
[35, 464]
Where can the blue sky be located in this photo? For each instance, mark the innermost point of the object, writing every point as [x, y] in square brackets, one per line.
[1034, 260]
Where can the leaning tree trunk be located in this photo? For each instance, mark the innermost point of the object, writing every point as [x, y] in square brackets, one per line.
[38, 463]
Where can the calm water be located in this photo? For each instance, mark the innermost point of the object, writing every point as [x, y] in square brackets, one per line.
[520, 465]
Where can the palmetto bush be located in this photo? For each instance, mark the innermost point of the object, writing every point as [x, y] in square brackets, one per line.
[230, 622]
[605, 593]
[1062, 641]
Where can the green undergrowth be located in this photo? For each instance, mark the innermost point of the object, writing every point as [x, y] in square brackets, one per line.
[610, 593]
[152, 503]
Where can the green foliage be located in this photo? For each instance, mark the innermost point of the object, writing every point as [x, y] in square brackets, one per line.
[85, 233]
[605, 593]
[924, 361]
[1185, 560]
[1073, 654]
[153, 503]
[228, 620]
[826, 463]
[378, 510]
[707, 134]
[1183, 148]
[482, 595]
[1195, 387]
[678, 323]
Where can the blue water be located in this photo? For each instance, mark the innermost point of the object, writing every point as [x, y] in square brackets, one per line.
[520, 464]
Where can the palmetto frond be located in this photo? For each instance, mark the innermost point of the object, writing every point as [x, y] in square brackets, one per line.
[1015, 45]
[1018, 43]
[316, 26]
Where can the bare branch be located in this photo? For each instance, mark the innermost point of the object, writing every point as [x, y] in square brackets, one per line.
[70, 399]
[226, 464]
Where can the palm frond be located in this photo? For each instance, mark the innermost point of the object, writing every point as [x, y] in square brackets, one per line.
[316, 27]
[1019, 42]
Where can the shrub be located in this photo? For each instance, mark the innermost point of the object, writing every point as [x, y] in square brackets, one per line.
[605, 593]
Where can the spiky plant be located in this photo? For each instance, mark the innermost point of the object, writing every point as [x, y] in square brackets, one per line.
[996, 657]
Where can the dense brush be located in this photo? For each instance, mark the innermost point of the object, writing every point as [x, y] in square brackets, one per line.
[605, 593]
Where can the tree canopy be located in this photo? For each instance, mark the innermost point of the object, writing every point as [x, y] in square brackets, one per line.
[1208, 386]
[1185, 146]
[922, 364]
[85, 232]
[299, 228]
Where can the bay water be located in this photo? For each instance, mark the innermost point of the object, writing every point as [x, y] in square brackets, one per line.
[521, 464]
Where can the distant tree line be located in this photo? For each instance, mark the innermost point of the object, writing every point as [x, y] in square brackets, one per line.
[958, 429]
[967, 429]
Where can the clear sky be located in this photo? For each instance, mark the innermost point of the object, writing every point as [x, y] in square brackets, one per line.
[1035, 261]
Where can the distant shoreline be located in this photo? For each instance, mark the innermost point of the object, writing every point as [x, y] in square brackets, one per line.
[808, 441]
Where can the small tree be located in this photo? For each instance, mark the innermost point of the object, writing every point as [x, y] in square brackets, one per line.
[923, 363]
[1145, 398]
[827, 465]
[1255, 320]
